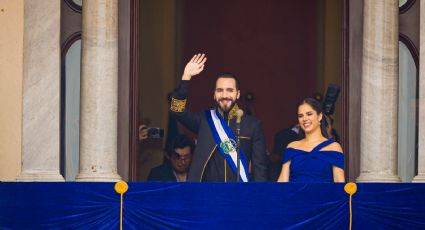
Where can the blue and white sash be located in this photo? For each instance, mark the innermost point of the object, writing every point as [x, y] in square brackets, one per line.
[226, 143]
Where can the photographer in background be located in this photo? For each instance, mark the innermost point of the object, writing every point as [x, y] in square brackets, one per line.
[177, 162]
[328, 106]
[143, 132]
[152, 132]
[151, 150]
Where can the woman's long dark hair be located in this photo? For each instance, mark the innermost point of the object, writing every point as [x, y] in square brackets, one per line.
[318, 108]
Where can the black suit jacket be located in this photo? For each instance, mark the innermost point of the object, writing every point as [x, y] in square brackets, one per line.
[163, 172]
[251, 138]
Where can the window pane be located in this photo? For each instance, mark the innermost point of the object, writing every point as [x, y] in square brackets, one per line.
[72, 110]
[407, 122]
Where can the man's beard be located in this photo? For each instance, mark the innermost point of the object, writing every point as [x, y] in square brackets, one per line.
[227, 106]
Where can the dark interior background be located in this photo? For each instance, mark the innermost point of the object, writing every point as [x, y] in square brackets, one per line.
[282, 51]
[271, 47]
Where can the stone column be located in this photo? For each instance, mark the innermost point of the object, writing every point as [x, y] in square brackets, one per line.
[41, 87]
[378, 141]
[99, 92]
[421, 151]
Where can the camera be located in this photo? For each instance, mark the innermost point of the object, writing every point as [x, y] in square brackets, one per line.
[155, 132]
[329, 101]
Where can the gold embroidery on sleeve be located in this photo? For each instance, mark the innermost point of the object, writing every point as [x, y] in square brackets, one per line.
[178, 105]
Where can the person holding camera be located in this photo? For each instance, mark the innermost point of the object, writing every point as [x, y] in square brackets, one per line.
[143, 132]
[146, 132]
[179, 157]
[314, 158]
[217, 156]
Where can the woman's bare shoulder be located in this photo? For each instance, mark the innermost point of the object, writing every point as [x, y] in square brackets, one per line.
[294, 144]
[335, 146]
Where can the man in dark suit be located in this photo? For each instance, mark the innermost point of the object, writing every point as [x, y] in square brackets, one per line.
[179, 157]
[215, 158]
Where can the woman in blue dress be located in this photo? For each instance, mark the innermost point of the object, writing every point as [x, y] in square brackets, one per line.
[314, 158]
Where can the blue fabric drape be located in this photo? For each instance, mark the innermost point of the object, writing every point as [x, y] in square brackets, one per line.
[164, 205]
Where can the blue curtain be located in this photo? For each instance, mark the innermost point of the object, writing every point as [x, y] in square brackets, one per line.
[67, 205]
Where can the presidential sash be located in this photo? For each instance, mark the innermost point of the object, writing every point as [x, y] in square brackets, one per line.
[225, 140]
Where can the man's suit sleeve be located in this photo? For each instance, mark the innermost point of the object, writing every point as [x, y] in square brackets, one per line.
[178, 108]
[259, 155]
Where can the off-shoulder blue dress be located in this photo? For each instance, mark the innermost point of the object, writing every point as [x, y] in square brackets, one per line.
[313, 166]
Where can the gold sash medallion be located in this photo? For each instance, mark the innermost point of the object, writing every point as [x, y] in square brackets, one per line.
[228, 145]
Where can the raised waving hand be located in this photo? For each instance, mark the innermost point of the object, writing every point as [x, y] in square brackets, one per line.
[194, 66]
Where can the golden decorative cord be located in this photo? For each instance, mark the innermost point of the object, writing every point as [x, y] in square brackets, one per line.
[121, 187]
[351, 188]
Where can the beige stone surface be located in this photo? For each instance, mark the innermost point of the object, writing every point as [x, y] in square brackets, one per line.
[41, 90]
[421, 150]
[11, 51]
[378, 144]
[99, 95]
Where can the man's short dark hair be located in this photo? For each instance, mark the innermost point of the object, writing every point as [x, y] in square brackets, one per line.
[229, 75]
[180, 141]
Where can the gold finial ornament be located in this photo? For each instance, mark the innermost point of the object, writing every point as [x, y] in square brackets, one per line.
[121, 187]
[350, 188]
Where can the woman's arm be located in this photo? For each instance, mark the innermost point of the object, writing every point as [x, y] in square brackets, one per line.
[338, 174]
[284, 174]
